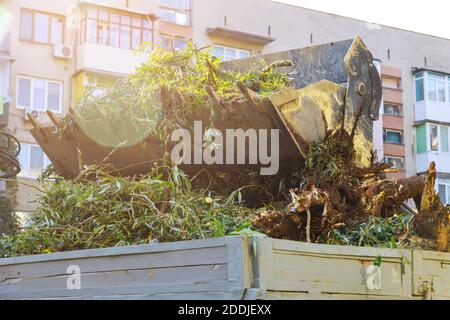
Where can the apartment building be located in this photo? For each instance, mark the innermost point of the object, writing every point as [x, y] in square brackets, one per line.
[52, 50]
[391, 113]
[432, 125]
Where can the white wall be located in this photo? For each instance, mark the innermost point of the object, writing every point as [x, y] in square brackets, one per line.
[106, 59]
[378, 143]
[4, 78]
[430, 110]
[441, 159]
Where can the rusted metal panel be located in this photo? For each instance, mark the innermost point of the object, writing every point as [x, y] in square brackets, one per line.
[431, 274]
[76, 149]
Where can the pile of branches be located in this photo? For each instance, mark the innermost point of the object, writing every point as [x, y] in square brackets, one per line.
[336, 202]
[338, 197]
[99, 210]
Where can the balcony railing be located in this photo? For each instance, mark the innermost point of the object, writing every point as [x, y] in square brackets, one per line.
[431, 110]
[442, 160]
[432, 93]
[107, 59]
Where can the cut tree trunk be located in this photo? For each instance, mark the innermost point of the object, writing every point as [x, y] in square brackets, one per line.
[432, 222]
[384, 197]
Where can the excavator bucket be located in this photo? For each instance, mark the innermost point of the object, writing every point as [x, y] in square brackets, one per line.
[331, 82]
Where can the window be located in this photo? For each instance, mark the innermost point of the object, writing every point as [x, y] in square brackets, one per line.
[421, 138]
[115, 28]
[32, 160]
[443, 187]
[434, 140]
[41, 27]
[397, 162]
[391, 83]
[174, 43]
[39, 94]
[41, 22]
[420, 90]
[175, 17]
[179, 44]
[444, 139]
[392, 109]
[26, 25]
[393, 136]
[228, 53]
[439, 138]
[432, 86]
[436, 87]
[175, 11]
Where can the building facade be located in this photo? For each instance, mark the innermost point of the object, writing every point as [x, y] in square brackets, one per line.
[392, 120]
[51, 51]
[432, 125]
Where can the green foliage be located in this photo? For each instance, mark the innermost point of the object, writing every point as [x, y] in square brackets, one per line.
[185, 74]
[329, 158]
[373, 232]
[265, 79]
[99, 210]
[377, 262]
[8, 221]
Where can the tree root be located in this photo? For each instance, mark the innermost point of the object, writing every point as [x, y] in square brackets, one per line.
[337, 193]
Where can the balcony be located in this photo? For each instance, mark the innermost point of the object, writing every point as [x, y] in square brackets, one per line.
[225, 33]
[110, 37]
[432, 93]
[106, 59]
[442, 160]
[431, 110]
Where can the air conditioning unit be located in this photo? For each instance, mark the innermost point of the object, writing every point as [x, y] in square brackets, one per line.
[35, 113]
[63, 51]
[90, 81]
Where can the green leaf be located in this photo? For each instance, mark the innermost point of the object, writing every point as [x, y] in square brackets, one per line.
[377, 261]
[219, 229]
